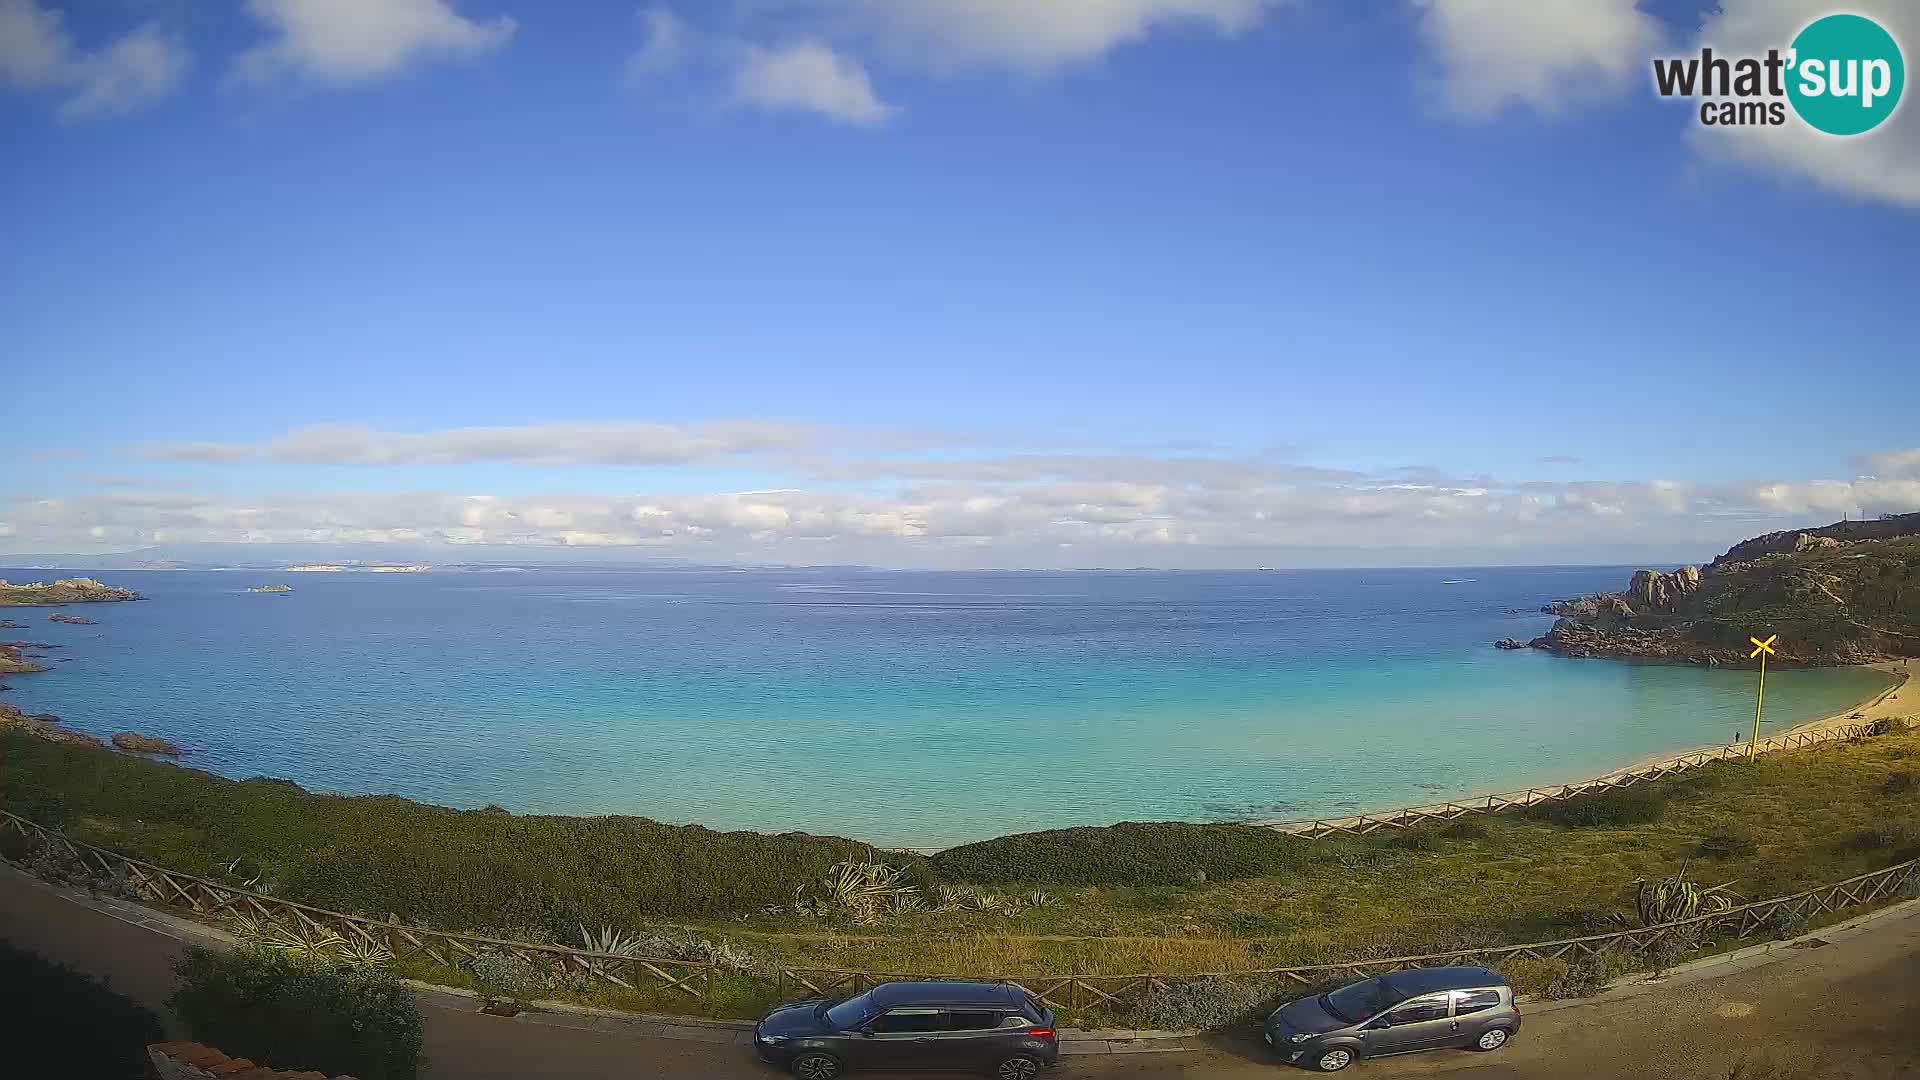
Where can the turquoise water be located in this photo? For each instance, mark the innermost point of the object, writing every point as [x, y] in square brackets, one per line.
[909, 709]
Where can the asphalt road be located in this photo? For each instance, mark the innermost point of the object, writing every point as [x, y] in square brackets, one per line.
[1849, 1010]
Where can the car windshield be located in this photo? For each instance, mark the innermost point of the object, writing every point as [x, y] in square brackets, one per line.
[1361, 1000]
[851, 1011]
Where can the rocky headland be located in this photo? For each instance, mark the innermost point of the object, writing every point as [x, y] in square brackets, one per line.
[137, 743]
[71, 620]
[65, 591]
[44, 726]
[1847, 593]
[271, 588]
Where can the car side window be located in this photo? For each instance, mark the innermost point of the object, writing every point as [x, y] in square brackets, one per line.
[975, 1019]
[1473, 1001]
[903, 1021]
[1426, 1007]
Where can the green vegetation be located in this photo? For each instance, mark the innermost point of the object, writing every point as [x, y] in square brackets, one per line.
[1129, 854]
[297, 1014]
[1122, 900]
[1826, 602]
[1641, 804]
[59, 1022]
[429, 865]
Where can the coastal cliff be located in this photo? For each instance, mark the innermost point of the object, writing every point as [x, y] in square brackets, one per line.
[65, 591]
[1846, 593]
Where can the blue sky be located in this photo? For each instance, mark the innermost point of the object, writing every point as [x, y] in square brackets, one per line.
[972, 282]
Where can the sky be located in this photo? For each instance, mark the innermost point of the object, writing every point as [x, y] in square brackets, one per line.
[950, 283]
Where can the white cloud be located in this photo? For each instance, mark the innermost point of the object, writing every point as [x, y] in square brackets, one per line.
[145, 64]
[814, 55]
[37, 53]
[1035, 37]
[619, 443]
[1547, 55]
[808, 76]
[342, 42]
[1882, 164]
[998, 511]
[664, 47]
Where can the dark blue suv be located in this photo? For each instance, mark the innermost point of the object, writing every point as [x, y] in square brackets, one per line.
[995, 1028]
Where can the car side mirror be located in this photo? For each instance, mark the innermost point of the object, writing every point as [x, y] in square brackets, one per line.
[1380, 1025]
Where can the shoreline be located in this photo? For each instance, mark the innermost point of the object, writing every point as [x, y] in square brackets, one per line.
[1879, 706]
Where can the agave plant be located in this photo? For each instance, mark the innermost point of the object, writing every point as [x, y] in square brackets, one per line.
[857, 890]
[1672, 899]
[906, 903]
[1037, 899]
[307, 942]
[610, 941]
[363, 953]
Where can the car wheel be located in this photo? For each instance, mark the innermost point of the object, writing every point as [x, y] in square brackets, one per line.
[1017, 1067]
[816, 1066]
[1492, 1039]
[1334, 1060]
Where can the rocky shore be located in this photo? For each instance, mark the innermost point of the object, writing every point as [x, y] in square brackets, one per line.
[1834, 595]
[12, 662]
[65, 591]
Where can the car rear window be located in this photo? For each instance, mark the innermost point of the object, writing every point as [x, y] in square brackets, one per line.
[1473, 1001]
[975, 1019]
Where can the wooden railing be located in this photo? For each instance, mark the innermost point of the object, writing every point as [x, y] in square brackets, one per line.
[1746, 921]
[216, 900]
[1407, 817]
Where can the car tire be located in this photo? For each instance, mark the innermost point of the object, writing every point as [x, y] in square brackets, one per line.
[1492, 1039]
[1333, 1059]
[814, 1065]
[1017, 1067]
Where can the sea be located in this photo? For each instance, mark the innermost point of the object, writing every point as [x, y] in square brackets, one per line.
[906, 709]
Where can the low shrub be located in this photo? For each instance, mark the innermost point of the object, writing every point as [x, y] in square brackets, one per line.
[1255, 923]
[1466, 828]
[1165, 853]
[1727, 842]
[296, 1014]
[59, 1022]
[1885, 837]
[1640, 804]
[1414, 840]
[1221, 1001]
[1587, 977]
[1784, 924]
[430, 865]
[1898, 783]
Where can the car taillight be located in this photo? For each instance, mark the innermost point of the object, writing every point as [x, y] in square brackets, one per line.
[1041, 1033]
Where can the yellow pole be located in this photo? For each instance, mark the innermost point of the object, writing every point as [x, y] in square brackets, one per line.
[1758, 704]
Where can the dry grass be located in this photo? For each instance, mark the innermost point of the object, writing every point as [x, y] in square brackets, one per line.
[1525, 880]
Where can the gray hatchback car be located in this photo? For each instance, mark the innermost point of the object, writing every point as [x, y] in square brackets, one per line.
[1400, 1013]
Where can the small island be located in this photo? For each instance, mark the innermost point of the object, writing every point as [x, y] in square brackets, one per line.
[12, 663]
[65, 591]
[270, 588]
[1846, 593]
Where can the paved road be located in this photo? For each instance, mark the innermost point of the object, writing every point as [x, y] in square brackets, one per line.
[1847, 1011]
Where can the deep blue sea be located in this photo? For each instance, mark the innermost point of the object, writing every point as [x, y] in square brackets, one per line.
[907, 709]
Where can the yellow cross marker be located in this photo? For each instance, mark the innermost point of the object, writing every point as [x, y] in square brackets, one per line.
[1761, 649]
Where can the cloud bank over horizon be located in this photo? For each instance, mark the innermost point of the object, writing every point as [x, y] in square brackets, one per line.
[843, 497]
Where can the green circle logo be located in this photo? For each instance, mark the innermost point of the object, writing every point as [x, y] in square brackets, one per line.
[1846, 74]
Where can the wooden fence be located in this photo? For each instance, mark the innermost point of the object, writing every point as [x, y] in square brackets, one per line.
[695, 979]
[1407, 817]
